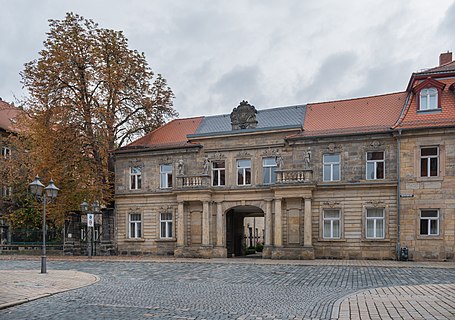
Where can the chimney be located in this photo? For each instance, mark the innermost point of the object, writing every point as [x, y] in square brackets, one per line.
[445, 57]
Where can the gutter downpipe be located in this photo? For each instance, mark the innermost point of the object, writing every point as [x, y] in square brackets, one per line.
[398, 248]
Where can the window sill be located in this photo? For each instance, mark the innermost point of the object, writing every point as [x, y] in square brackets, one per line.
[331, 240]
[430, 111]
[429, 179]
[166, 240]
[429, 237]
[134, 240]
[375, 240]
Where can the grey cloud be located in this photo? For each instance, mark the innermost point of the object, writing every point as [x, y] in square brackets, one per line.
[334, 70]
[447, 26]
[240, 83]
[380, 80]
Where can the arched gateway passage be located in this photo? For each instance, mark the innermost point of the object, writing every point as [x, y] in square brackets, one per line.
[245, 227]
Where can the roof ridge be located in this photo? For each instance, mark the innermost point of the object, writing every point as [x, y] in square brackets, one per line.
[259, 110]
[435, 69]
[358, 98]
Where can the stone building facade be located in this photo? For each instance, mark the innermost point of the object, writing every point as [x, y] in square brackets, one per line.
[337, 179]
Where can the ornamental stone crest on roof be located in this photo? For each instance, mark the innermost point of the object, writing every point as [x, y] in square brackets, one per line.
[244, 116]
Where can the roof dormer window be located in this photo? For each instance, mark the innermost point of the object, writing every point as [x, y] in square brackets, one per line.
[428, 94]
[428, 99]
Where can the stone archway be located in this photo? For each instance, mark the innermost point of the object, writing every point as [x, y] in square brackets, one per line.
[235, 229]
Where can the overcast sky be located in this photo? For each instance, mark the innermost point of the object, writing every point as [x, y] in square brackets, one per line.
[216, 53]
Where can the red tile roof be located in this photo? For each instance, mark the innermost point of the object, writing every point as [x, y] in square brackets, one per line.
[8, 113]
[172, 134]
[369, 114]
[450, 66]
[412, 119]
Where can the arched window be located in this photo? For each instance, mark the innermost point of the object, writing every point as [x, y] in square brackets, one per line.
[428, 99]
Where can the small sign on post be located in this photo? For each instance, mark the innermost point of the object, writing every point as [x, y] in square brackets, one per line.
[90, 220]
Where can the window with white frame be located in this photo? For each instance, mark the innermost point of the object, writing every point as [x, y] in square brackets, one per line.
[428, 99]
[135, 178]
[166, 225]
[7, 191]
[218, 173]
[165, 176]
[268, 170]
[331, 167]
[429, 222]
[6, 152]
[331, 222]
[243, 172]
[429, 161]
[135, 225]
[375, 165]
[375, 223]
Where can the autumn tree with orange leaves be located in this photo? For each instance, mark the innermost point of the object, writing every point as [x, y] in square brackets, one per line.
[88, 95]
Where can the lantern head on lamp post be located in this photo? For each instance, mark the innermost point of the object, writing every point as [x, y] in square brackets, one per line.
[51, 191]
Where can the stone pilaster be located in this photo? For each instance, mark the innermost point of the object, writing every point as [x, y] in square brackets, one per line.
[307, 236]
[278, 228]
[220, 225]
[180, 225]
[268, 222]
[205, 223]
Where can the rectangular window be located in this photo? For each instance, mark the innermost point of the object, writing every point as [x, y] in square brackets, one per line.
[429, 222]
[375, 165]
[429, 162]
[166, 225]
[218, 173]
[331, 222]
[136, 178]
[135, 225]
[331, 167]
[7, 191]
[165, 176]
[428, 99]
[268, 170]
[6, 152]
[375, 223]
[243, 172]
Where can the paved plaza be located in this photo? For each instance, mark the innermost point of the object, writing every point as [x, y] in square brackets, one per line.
[117, 288]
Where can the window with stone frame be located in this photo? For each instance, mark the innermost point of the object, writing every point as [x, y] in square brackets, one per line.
[429, 222]
[166, 225]
[375, 165]
[7, 191]
[243, 172]
[269, 166]
[218, 173]
[135, 178]
[331, 165]
[331, 221]
[134, 225]
[375, 223]
[6, 152]
[429, 161]
[428, 99]
[165, 176]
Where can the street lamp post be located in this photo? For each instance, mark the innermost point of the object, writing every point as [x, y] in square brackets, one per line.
[51, 191]
[90, 222]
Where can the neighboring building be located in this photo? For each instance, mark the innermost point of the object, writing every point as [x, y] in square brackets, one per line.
[8, 114]
[426, 140]
[351, 179]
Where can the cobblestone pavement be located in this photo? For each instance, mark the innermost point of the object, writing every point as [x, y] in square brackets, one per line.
[233, 290]
[434, 301]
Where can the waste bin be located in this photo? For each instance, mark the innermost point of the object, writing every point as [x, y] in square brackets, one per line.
[404, 254]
